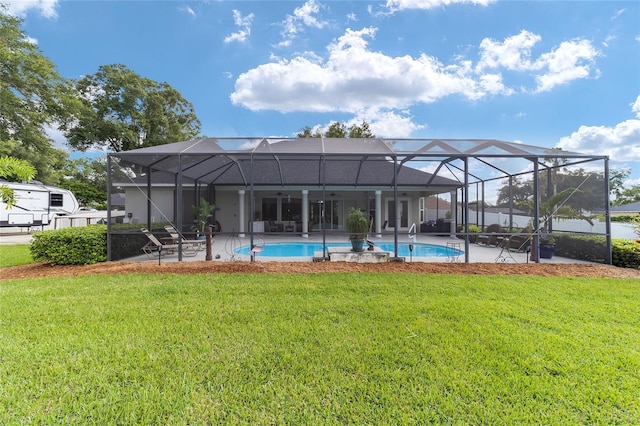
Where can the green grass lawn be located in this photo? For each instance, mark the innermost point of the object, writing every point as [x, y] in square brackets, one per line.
[14, 255]
[319, 349]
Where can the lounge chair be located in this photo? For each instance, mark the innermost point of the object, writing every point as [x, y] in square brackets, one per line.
[176, 236]
[154, 248]
[491, 235]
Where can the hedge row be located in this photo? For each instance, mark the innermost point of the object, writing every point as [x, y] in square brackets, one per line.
[71, 246]
[593, 248]
[87, 245]
[625, 253]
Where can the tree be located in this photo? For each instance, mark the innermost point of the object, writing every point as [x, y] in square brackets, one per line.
[122, 110]
[521, 192]
[616, 182]
[336, 130]
[308, 132]
[13, 169]
[339, 130]
[49, 162]
[32, 96]
[362, 131]
[87, 180]
[628, 196]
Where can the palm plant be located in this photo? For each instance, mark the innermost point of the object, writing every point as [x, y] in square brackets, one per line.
[556, 207]
[203, 211]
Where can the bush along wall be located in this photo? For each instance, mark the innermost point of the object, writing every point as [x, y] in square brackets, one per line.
[591, 248]
[625, 253]
[71, 246]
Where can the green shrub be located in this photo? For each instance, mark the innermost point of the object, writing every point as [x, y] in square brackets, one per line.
[71, 246]
[626, 219]
[625, 253]
[474, 230]
[591, 248]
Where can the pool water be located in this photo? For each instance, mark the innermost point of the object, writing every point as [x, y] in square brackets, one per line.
[309, 249]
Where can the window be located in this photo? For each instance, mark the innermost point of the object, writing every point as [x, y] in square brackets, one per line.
[291, 209]
[55, 200]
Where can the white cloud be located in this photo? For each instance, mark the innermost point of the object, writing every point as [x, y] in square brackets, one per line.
[382, 123]
[387, 123]
[617, 14]
[573, 59]
[189, 11]
[513, 54]
[303, 16]
[570, 61]
[353, 78]
[46, 8]
[244, 27]
[398, 5]
[620, 142]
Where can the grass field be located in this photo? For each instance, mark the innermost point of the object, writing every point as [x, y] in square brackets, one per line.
[14, 255]
[325, 348]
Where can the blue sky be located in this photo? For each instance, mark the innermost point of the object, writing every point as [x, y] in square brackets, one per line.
[546, 73]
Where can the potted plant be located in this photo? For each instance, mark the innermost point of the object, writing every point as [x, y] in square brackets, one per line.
[357, 225]
[547, 246]
[203, 211]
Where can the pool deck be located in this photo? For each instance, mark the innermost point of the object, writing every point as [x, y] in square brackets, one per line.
[224, 246]
[223, 250]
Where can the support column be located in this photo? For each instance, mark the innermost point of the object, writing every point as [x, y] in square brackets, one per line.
[241, 216]
[378, 218]
[454, 214]
[305, 213]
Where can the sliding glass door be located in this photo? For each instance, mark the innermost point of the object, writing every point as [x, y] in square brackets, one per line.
[330, 214]
[404, 213]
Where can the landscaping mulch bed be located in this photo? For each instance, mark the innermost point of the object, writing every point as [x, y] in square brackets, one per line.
[35, 270]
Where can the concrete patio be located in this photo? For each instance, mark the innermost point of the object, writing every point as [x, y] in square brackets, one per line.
[223, 248]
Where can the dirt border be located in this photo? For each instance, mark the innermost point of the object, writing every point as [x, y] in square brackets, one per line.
[36, 270]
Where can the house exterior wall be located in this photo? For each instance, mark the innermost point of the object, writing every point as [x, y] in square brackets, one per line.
[228, 210]
[162, 208]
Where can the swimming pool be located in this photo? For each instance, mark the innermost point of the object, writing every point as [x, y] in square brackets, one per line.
[308, 249]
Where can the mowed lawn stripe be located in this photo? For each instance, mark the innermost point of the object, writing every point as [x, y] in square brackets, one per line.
[331, 348]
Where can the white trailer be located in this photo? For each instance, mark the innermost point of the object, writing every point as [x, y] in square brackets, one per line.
[36, 204]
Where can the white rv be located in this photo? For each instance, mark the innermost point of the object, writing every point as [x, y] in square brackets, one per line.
[36, 204]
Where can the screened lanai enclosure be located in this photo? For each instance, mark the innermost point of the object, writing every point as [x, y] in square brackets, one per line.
[474, 191]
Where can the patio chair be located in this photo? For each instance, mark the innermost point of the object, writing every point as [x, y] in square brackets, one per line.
[491, 236]
[176, 236]
[519, 242]
[275, 227]
[154, 248]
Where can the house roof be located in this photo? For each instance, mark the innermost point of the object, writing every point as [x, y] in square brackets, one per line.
[632, 207]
